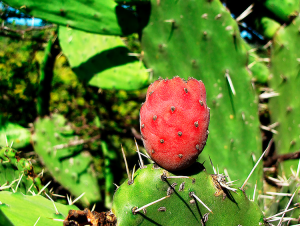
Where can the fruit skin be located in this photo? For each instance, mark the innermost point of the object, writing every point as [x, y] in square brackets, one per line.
[174, 122]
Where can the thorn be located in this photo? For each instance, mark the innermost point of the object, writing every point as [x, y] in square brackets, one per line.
[215, 172]
[57, 195]
[116, 185]
[11, 144]
[199, 200]
[170, 21]
[265, 197]
[93, 209]
[138, 151]
[133, 171]
[267, 95]
[6, 141]
[134, 210]
[254, 191]
[18, 183]
[174, 177]
[41, 174]
[277, 214]
[56, 211]
[298, 169]
[230, 82]
[61, 220]
[75, 200]
[36, 221]
[44, 188]
[267, 128]
[269, 146]
[245, 13]
[278, 194]
[227, 187]
[134, 54]
[227, 175]
[287, 206]
[126, 165]
[69, 200]
[269, 43]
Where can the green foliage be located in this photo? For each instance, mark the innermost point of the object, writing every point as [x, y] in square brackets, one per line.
[19, 209]
[188, 44]
[285, 107]
[181, 207]
[102, 61]
[18, 71]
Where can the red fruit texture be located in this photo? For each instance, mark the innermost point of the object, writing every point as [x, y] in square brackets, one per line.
[174, 122]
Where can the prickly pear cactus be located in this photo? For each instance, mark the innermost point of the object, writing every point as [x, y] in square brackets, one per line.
[56, 145]
[284, 108]
[102, 61]
[103, 17]
[200, 39]
[178, 197]
[285, 10]
[19, 209]
[17, 173]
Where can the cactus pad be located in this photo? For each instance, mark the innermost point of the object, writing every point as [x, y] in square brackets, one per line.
[178, 205]
[200, 39]
[19, 209]
[102, 61]
[68, 164]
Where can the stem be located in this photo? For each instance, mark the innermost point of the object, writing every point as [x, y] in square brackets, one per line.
[46, 75]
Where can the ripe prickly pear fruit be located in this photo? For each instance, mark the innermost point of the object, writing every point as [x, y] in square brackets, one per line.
[174, 122]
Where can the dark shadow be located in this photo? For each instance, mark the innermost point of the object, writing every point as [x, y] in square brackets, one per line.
[102, 61]
[194, 169]
[173, 27]
[131, 21]
[198, 208]
[148, 219]
[230, 197]
[187, 205]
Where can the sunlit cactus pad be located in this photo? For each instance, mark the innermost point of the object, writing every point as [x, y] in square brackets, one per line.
[17, 209]
[178, 205]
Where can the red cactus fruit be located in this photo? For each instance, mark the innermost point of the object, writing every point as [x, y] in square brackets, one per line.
[174, 122]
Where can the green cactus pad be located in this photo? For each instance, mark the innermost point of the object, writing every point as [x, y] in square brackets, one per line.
[102, 61]
[285, 108]
[69, 165]
[180, 208]
[19, 209]
[15, 133]
[200, 39]
[102, 17]
[283, 9]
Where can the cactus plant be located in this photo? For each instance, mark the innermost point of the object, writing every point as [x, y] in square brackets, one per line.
[177, 197]
[189, 45]
[102, 61]
[285, 106]
[102, 17]
[67, 163]
[17, 173]
[26, 210]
